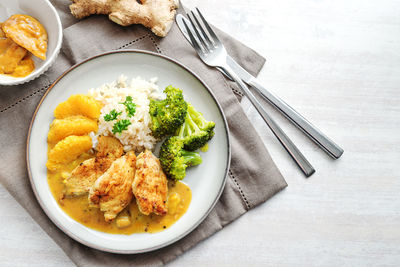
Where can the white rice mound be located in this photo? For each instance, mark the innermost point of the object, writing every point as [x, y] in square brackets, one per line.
[138, 136]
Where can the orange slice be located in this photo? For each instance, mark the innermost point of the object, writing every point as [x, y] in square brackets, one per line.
[78, 105]
[74, 125]
[67, 150]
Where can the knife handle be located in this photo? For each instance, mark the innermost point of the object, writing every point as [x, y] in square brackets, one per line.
[297, 119]
[290, 147]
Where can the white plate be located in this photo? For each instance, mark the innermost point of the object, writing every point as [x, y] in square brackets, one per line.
[206, 180]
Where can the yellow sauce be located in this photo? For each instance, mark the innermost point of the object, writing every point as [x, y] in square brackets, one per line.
[129, 220]
[14, 60]
[24, 68]
[27, 32]
[18, 35]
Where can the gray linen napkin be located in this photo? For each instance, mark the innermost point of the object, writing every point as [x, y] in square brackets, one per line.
[252, 179]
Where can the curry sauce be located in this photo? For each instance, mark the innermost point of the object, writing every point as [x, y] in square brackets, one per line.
[130, 220]
[14, 60]
[21, 35]
[27, 32]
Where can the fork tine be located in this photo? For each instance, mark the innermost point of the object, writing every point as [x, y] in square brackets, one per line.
[203, 33]
[198, 35]
[210, 31]
[195, 43]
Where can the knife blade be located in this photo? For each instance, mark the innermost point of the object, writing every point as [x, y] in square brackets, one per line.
[296, 118]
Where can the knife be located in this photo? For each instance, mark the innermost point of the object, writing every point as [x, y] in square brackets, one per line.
[296, 118]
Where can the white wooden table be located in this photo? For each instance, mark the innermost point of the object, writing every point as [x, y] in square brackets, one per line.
[338, 63]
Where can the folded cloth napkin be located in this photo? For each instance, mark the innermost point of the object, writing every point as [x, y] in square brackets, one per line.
[252, 179]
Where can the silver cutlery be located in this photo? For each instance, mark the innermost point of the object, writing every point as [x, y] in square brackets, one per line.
[296, 118]
[213, 53]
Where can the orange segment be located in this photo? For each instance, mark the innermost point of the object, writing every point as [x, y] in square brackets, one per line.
[67, 150]
[74, 125]
[78, 105]
[27, 32]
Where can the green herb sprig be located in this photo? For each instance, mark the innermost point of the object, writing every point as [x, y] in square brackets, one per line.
[112, 115]
[130, 106]
[120, 126]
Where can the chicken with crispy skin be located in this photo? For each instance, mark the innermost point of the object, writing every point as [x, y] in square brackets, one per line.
[150, 185]
[112, 191]
[83, 176]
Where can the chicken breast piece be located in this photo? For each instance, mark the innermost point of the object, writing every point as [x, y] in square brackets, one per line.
[150, 185]
[83, 176]
[108, 146]
[112, 191]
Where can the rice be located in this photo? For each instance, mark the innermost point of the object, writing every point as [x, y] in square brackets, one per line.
[138, 136]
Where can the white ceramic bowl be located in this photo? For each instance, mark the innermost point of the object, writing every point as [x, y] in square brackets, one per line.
[47, 15]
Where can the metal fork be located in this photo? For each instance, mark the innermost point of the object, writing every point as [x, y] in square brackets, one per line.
[213, 53]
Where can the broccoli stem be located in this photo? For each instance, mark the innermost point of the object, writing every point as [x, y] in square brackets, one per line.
[199, 119]
[193, 126]
[182, 130]
[191, 158]
[188, 128]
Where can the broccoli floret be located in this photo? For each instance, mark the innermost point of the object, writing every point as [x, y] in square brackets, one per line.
[168, 114]
[174, 159]
[196, 131]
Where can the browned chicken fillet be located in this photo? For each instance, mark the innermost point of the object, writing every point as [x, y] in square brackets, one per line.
[150, 185]
[83, 176]
[112, 191]
[109, 147]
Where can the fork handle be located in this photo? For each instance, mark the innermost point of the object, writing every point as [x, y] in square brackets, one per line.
[297, 119]
[290, 147]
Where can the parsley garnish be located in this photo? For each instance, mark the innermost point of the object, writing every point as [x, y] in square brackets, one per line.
[130, 106]
[121, 125]
[112, 115]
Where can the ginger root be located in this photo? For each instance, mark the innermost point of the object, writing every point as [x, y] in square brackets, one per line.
[158, 15]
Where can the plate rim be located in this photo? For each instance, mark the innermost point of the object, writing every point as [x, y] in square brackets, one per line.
[135, 251]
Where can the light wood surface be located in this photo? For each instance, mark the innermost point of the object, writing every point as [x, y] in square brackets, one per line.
[337, 63]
